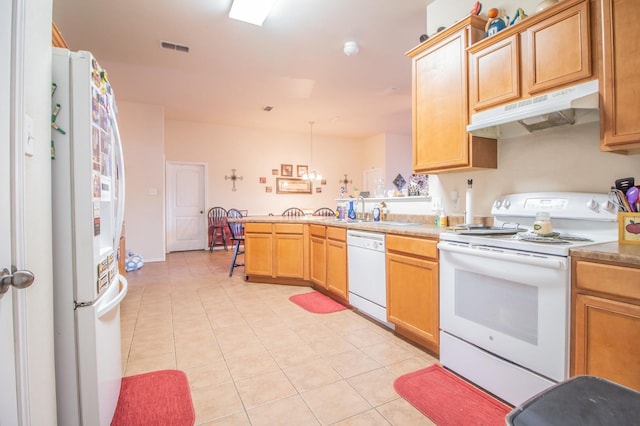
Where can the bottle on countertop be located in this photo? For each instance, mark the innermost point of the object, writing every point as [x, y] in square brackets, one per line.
[444, 219]
[376, 214]
[352, 211]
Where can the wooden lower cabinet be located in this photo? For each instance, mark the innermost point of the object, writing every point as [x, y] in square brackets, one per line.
[276, 250]
[413, 290]
[336, 271]
[317, 255]
[258, 243]
[289, 250]
[606, 322]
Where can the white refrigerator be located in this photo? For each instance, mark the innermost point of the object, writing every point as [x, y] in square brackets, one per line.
[88, 207]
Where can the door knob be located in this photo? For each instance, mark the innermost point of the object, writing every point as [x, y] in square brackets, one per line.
[18, 279]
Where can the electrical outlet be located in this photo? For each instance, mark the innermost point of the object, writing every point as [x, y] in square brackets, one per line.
[436, 204]
[29, 138]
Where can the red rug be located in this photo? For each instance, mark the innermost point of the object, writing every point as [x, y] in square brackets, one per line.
[317, 303]
[448, 400]
[154, 399]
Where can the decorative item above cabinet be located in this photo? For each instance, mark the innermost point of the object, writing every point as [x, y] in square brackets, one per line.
[549, 50]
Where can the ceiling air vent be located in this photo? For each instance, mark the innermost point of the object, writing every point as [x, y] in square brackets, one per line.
[174, 46]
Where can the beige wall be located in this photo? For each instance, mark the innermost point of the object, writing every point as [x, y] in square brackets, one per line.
[565, 159]
[254, 153]
[398, 156]
[142, 133]
[37, 202]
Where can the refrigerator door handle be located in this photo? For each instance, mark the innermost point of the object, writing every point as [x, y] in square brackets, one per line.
[104, 310]
[121, 186]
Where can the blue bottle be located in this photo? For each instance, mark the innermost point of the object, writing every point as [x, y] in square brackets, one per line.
[352, 212]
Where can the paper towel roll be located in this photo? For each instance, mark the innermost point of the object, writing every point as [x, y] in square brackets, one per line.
[468, 214]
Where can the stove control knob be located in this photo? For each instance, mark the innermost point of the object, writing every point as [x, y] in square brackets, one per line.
[497, 204]
[506, 204]
[609, 206]
[593, 205]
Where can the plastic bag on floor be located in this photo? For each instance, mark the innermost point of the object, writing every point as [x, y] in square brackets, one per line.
[133, 261]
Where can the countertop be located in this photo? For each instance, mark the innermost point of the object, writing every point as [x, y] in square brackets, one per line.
[627, 254]
[416, 230]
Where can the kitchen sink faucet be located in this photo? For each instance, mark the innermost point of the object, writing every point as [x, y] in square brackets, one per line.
[362, 213]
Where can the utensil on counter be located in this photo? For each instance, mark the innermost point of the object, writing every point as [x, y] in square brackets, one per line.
[625, 183]
[619, 199]
[632, 197]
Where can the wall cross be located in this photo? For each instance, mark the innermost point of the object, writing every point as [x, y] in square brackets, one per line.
[233, 178]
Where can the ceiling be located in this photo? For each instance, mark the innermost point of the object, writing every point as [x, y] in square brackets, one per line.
[294, 62]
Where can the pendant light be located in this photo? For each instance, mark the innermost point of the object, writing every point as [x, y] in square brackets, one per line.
[311, 174]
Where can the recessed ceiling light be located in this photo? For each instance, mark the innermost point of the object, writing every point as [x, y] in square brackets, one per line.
[251, 11]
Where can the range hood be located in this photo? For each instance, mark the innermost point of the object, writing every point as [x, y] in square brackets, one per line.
[572, 105]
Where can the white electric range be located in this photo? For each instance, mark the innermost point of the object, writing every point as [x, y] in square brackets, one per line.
[505, 291]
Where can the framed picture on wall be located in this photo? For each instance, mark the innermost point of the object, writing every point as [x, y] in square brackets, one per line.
[293, 186]
[274, 172]
[268, 189]
[263, 179]
[301, 170]
[286, 170]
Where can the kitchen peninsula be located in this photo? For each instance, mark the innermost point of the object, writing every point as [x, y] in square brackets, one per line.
[312, 251]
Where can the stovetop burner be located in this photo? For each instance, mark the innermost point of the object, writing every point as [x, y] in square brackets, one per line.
[553, 238]
[487, 230]
[578, 219]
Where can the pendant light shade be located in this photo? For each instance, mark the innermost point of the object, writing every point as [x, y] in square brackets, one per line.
[311, 174]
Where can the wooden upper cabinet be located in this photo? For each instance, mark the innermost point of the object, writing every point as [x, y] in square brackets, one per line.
[494, 73]
[440, 103]
[559, 49]
[620, 109]
[547, 51]
[56, 37]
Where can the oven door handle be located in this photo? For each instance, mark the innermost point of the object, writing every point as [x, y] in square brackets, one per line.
[508, 255]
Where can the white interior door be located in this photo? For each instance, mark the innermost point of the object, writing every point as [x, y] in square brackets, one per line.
[8, 392]
[186, 215]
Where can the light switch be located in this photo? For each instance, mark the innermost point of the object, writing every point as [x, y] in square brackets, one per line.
[153, 191]
[29, 138]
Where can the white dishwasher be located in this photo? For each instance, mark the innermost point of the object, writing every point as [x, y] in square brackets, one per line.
[367, 274]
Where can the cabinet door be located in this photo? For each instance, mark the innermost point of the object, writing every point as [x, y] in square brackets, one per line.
[620, 77]
[289, 255]
[558, 49]
[337, 268]
[607, 340]
[440, 106]
[494, 73]
[412, 297]
[318, 261]
[258, 253]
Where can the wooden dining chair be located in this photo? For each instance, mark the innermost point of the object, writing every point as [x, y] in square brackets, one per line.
[217, 217]
[293, 211]
[324, 211]
[237, 237]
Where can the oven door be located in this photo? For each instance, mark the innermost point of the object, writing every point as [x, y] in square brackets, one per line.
[512, 304]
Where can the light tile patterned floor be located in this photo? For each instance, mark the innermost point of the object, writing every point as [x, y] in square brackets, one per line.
[255, 358]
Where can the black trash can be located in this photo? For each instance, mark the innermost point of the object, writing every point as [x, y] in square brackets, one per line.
[580, 401]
